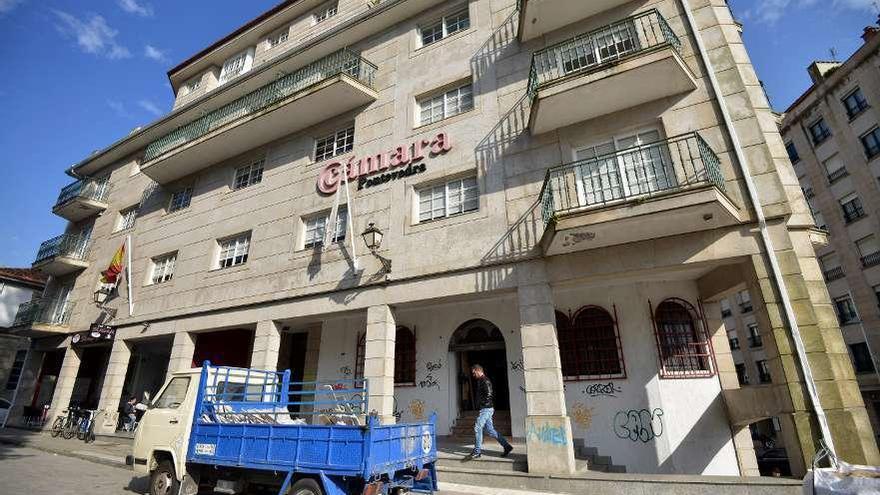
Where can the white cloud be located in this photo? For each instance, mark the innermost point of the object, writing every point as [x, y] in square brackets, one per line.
[8, 5]
[93, 36]
[154, 53]
[119, 108]
[771, 11]
[132, 7]
[150, 107]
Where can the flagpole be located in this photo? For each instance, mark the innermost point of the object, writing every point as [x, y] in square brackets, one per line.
[128, 276]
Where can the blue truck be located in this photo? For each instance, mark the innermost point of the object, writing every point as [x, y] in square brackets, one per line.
[236, 430]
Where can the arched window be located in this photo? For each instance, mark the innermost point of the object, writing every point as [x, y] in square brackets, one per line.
[405, 357]
[682, 340]
[360, 356]
[589, 345]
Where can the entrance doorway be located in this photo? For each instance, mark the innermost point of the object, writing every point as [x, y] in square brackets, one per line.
[224, 348]
[49, 371]
[292, 356]
[480, 342]
[90, 376]
[146, 370]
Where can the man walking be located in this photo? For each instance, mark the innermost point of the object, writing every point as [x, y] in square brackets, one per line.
[486, 405]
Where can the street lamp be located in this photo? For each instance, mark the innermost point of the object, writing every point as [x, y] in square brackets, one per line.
[373, 239]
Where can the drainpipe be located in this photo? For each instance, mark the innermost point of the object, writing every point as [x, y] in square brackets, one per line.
[775, 271]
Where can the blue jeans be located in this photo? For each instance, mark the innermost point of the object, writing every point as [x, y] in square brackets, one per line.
[484, 420]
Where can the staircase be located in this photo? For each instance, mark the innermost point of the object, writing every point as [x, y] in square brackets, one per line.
[464, 425]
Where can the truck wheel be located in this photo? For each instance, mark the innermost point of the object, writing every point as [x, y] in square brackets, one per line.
[306, 486]
[163, 481]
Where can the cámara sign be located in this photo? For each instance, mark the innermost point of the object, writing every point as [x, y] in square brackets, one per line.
[401, 161]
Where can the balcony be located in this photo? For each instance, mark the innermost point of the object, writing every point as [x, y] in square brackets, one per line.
[538, 17]
[655, 190]
[605, 71]
[833, 274]
[63, 254]
[333, 85]
[43, 316]
[82, 199]
[870, 260]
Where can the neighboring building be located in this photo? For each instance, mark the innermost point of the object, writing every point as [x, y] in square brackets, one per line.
[17, 286]
[832, 137]
[562, 199]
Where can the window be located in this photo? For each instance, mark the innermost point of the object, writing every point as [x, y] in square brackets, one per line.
[444, 105]
[734, 343]
[338, 143]
[326, 12]
[163, 268]
[819, 132]
[360, 356]
[741, 375]
[855, 103]
[763, 371]
[15, 371]
[235, 65]
[278, 38]
[446, 26]
[792, 152]
[831, 268]
[846, 310]
[869, 251]
[861, 357]
[316, 228]
[191, 86]
[744, 300]
[589, 346]
[180, 200]
[852, 208]
[871, 142]
[127, 218]
[725, 308]
[248, 175]
[754, 336]
[681, 340]
[452, 198]
[835, 169]
[404, 357]
[808, 193]
[234, 251]
[174, 394]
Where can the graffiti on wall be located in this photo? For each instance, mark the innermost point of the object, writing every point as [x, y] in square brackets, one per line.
[547, 434]
[434, 366]
[602, 390]
[639, 425]
[430, 381]
[345, 371]
[397, 412]
[517, 365]
[417, 409]
[582, 415]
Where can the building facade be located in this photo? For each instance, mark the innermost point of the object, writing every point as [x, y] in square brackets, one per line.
[17, 286]
[832, 138]
[544, 211]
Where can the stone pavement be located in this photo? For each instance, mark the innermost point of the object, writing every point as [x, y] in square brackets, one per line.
[104, 450]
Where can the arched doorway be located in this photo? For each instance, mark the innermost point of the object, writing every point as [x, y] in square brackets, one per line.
[480, 342]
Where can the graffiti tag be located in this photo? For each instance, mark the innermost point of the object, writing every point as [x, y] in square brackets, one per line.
[417, 409]
[397, 412]
[429, 382]
[603, 390]
[434, 366]
[582, 415]
[639, 425]
[553, 435]
[517, 365]
[345, 370]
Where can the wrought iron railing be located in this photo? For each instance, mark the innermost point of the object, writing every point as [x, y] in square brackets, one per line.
[647, 170]
[870, 260]
[594, 50]
[834, 274]
[93, 189]
[837, 175]
[340, 62]
[46, 311]
[73, 246]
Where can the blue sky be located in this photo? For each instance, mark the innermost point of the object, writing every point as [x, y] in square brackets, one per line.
[80, 74]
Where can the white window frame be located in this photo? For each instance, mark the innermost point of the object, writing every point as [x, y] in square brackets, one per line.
[315, 228]
[326, 11]
[339, 142]
[163, 268]
[191, 85]
[230, 71]
[444, 100]
[277, 38]
[444, 25]
[233, 251]
[443, 191]
[251, 175]
[127, 218]
[176, 204]
[869, 241]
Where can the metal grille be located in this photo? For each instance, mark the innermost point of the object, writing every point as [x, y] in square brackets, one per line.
[360, 356]
[682, 341]
[589, 345]
[46, 311]
[405, 357]
[92, 189]
[73, 246]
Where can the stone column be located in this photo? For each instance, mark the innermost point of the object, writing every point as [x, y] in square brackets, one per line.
[111, 391]
[379, 362]
[182, 349]
[267, 342]
[26, 386]
[64, 385]
[549, 443]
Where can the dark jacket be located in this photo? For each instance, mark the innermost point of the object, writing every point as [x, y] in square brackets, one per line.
[485, 394]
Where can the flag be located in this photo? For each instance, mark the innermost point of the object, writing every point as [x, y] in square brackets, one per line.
[111, 274]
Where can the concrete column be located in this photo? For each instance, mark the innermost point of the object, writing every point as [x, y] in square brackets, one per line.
[111, 391]
[379, 362]
[745, 451]
[267, 342]
[549, 443]
[64, 386]
[182, 350]
[26, 386]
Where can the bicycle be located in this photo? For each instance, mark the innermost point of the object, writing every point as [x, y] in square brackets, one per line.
[58, 424]
[71, 425]
[86, 426]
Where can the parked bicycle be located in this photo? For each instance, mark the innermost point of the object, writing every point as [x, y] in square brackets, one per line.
[86, 425]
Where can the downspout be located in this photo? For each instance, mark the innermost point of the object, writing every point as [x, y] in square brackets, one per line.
[775, 271]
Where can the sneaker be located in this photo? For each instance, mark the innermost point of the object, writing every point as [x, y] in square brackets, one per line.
[473, 455]
[507, 450]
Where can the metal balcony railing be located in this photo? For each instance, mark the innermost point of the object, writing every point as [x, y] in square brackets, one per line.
[66, 245]
[594, 50]
[47, 311]
[636, 173]
[95, 190]
[837, 175]
[755, 341]
[870, 260]
[834, 274]
[340, 62]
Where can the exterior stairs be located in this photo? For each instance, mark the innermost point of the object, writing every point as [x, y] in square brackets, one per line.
[464, 425]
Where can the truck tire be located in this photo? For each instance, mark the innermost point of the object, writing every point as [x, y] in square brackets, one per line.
[163, 480]
[306, 486]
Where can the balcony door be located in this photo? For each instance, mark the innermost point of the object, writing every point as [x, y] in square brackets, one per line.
[59, 307]
[623, 167]
[598, 47]
[82, 242]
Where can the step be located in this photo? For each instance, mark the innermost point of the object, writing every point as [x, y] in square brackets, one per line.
[491, 460]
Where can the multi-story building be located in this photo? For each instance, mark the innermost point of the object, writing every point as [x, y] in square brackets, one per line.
[832, 137]
[565, 192]
[17, 286]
